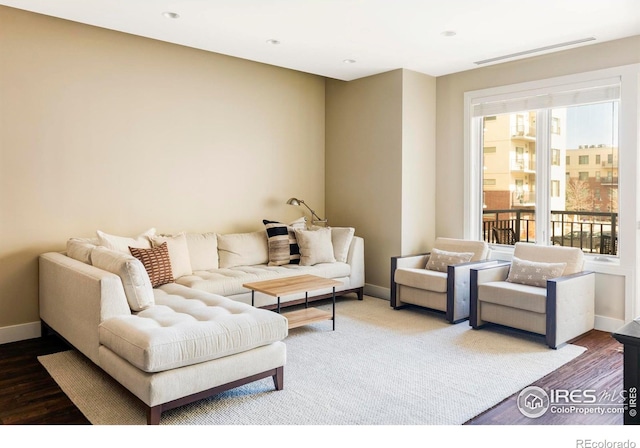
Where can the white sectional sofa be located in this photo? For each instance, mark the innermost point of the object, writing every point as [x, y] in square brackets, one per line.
[175, 324]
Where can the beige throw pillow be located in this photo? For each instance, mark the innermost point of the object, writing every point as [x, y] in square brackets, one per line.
[122, 243]
[315, 246]
[439, 260]
[178, 252]
[203, 251]
[341, 238]
[534, 273]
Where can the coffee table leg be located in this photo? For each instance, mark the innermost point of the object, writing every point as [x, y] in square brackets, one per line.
[278, 304]
[334, 309]
[306, 299]
[253, 293]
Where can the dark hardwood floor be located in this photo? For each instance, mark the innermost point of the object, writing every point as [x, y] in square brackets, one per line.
[29, 396]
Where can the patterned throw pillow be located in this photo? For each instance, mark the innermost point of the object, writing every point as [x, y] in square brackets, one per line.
[439, 260]
[534, 273]
[283, 245]
[157, 263]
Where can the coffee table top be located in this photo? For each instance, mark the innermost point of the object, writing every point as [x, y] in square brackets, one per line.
[278, 287]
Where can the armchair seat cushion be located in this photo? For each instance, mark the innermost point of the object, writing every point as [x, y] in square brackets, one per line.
[422, 279]
[515, 295]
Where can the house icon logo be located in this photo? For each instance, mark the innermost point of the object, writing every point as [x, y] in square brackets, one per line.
[533, 402]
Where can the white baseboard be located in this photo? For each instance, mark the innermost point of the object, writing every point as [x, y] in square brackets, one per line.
[21, 332]
[377, 291]
[608, 324]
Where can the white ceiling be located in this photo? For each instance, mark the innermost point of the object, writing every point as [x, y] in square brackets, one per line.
[380, 35]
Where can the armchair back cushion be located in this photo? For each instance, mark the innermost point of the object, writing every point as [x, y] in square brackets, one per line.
[480, 249]
[572, 256]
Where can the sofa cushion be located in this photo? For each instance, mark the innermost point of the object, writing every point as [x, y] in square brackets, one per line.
[282, 242]
[534, 273]
[178, 252]
[228, 282]
[341, 238]
[480, 249]
[573, 256]
[422, 279]
[122, 243]
[203, 250]
[156, 262]
[187, 327]
[514, 295]
[135, 280]
[315, 246]
[439, 260]
[80, 248]
[243, 249]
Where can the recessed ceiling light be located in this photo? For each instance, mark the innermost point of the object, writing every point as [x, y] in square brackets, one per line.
[171, 15]
[449, 33]
[273, 42]
[349, 61]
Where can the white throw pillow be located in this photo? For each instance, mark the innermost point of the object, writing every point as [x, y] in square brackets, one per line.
[439, 260]
[315, 246]
[341, 238]
[122, 243]
[534, 273]
[243, 249]
[203, 251]
[135, 280]
[178, 252]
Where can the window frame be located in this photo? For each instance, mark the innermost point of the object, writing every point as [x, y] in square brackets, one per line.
[629, 189]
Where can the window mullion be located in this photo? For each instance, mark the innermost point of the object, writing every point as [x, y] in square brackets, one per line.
[543, 164]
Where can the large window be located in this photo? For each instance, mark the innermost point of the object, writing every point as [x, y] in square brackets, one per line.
[525, 186]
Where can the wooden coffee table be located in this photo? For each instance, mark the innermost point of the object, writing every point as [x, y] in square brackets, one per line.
[293, 285]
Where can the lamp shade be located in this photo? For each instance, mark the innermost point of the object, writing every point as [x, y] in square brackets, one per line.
[294, 201]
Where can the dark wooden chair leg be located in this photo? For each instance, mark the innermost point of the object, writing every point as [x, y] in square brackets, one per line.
[278, 378]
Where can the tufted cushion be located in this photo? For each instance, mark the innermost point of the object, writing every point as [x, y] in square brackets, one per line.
[187, 327]
[422, 279]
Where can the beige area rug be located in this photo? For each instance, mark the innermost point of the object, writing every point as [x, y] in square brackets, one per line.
[379, 367]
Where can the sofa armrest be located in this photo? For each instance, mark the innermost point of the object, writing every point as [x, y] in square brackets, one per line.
[484, 274]
[417, 261]
[355, 259]
[76, 297]
[459, 287]
[570, 307]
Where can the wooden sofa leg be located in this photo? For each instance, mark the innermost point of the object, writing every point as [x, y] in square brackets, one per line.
[153, 415]
[278, 378]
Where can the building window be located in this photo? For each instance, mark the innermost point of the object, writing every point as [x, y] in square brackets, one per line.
[490, 182]
[568, 160]
[609, 159]
[583, 176]
[583, 160]
[597, 176]
[490, 149]
[555, 157]
[555, 125]
[555, 188]
[597, 159]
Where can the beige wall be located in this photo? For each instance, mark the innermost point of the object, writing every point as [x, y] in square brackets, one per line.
[104, 130]
[380, 155]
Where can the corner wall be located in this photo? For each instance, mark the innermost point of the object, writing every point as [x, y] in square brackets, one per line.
[380, 156]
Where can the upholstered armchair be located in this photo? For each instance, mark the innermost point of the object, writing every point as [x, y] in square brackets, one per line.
[439, 279]
[543, 290]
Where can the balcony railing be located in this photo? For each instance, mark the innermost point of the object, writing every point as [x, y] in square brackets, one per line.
[593, 232]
